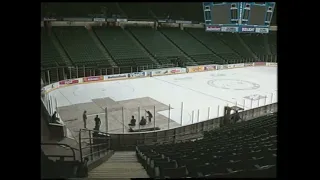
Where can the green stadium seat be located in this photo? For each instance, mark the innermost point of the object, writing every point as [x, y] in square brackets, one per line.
[123, 49]
[80, 46]
[234, 43]
[211, 41]
[191, 46]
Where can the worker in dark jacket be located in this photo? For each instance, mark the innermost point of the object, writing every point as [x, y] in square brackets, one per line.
[84, 117]
[97, 123]
[149, 116]
[132, 121]
[143, 121]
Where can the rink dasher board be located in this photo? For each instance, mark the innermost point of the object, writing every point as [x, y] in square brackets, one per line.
[56, 85]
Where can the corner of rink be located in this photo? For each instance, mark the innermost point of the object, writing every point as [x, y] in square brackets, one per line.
[118, 113]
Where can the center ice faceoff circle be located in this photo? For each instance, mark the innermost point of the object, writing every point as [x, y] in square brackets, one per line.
[233, 84]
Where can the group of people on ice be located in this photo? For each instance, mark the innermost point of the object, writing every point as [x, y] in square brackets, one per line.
[97, 120]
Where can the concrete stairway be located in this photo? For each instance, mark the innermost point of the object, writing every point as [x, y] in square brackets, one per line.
[123, 164]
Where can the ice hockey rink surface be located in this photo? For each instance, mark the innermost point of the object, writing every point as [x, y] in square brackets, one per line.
[194, 96]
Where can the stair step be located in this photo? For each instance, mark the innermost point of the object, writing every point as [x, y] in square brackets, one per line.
[123, 164]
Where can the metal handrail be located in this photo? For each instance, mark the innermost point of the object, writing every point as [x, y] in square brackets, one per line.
[90, 143]
[62, 144]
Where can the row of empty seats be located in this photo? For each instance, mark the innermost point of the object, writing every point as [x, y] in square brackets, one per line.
[81, 48]
[191, 46]
[233, 41]
[272, 41]
[156, 44]
[211, 41]
[256, 42]
[50, 56]
[136, 46]
[122, 47]
[245, 149]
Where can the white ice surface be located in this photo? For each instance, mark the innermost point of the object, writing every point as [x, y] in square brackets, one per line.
[192, 89]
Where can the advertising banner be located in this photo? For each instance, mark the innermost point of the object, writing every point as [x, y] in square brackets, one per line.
[262, 30]
[195, 69]
[259, 63]
[183, 22]
[230, 66]
[115, 76]
[219, 67]
[167, 71]
[225, 66]
[210, 67]
[92, 78]
[137, 74]
[77, 19]
[248, 64]
[111, 20]
[229, 29]
[272, 64]
[99, 19]
[69, 81]
[247, 29]
[239, 65]
[122, 20]
[162, 20]
[213, 28]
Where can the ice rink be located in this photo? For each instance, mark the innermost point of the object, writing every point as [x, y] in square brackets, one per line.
[203, 92]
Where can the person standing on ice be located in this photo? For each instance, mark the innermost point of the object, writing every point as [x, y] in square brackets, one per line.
[149, 116]
[98, 123]
[84, 117]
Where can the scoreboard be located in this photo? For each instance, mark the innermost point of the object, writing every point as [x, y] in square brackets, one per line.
[238, 17]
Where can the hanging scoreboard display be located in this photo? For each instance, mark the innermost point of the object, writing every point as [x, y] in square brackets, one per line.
[238, 17]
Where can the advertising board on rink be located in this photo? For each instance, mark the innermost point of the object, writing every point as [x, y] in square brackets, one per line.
[191, 69]
[272, 64]
[259, 63]
[210, 67]
[167, 71]
[92, 78]
[248, 64]
[239, 65]
[115, 76]
[68, 81]
[137, 74]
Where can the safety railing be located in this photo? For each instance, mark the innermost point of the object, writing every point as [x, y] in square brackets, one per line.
[93, 144]
[191, 131]
[55, 74]
[61, 157]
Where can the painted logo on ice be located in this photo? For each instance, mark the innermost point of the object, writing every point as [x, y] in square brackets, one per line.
[233, 84]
